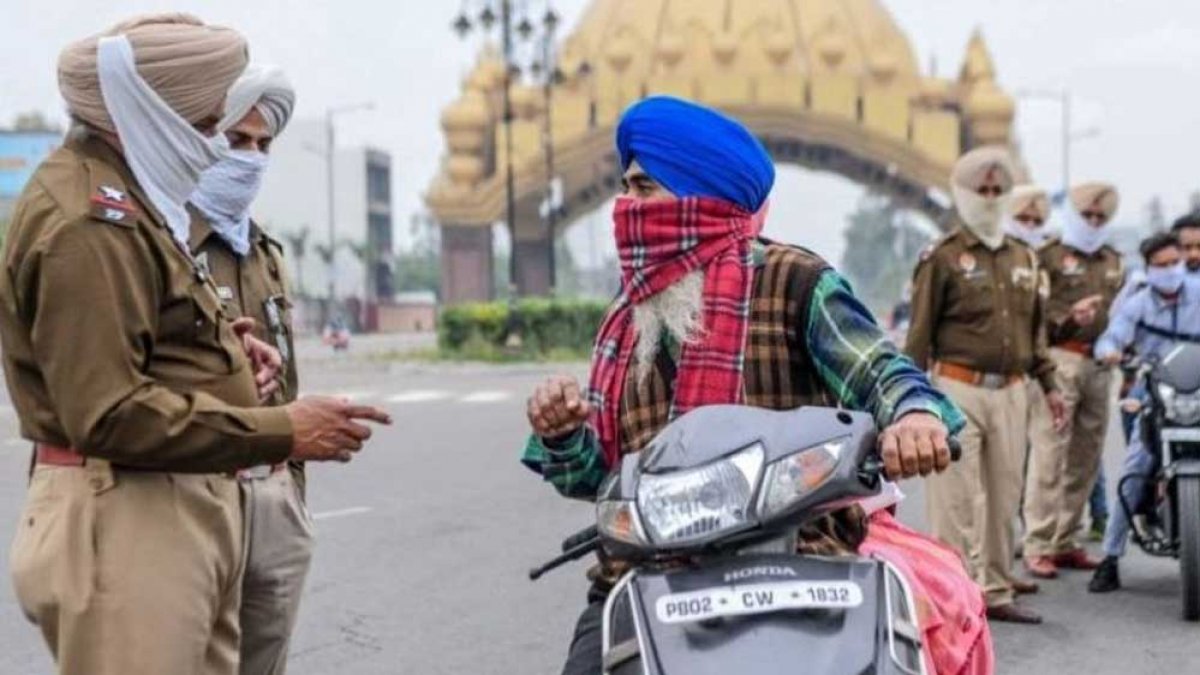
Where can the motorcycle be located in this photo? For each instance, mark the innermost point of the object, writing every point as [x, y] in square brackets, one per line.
[707, 517]
[1170, 508]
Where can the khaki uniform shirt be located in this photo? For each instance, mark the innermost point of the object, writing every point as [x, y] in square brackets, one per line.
[979, 308]
[1075, 275]
[254, 286]
[114, 343]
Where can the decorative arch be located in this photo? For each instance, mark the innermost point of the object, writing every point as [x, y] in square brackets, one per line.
[831, 85]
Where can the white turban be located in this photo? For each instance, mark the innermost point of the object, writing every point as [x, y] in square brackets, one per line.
[265, 88]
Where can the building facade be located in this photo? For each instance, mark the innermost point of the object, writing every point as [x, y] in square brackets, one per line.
[294, 206]
[20, 153]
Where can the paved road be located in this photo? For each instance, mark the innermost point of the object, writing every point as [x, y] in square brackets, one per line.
[424, 542]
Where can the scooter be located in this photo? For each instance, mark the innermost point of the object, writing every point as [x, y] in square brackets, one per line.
[1170, 509]
[707, 516]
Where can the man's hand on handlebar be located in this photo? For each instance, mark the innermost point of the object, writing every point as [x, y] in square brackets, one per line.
[916, 444]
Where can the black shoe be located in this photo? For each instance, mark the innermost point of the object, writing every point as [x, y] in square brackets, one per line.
[1107, 577]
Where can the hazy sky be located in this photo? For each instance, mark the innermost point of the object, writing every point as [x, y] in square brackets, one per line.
[1133, 65]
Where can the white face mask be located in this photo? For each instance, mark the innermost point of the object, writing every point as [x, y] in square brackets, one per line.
[164, 152]
[225, 193]
[1034, 236]
[982, 215]
[1079, 233]
[1166, 279]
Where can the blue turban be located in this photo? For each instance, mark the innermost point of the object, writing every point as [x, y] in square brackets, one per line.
[695, 151]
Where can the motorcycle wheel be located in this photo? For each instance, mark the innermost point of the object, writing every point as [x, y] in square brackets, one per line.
[1188, 490]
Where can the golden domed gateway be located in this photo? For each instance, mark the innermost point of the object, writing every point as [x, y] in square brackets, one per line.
[827, 84]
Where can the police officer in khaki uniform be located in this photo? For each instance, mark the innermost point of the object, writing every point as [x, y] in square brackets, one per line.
[1085, 275]
[248, 269]
[128, 375]
[977, 325]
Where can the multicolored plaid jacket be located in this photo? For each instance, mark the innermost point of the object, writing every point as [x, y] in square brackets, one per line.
[810, 342]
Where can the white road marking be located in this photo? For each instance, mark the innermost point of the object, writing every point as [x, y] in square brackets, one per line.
[356, 395]
[419, 396]
[486, 397]
[341, 513]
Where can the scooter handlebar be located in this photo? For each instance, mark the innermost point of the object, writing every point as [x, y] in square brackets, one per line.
[579, 538]
[955, 448]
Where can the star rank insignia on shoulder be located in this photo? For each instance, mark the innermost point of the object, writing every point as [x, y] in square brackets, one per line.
[112, 205]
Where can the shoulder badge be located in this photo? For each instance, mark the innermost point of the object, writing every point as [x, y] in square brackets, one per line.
[112, 205]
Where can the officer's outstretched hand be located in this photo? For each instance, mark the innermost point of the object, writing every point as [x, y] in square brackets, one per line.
[557, 408]
[916, 444]
[327, 429]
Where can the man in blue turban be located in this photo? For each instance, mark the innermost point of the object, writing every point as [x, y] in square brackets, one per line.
[710, 313]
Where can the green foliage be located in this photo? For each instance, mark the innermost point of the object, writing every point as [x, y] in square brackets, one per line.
[530, 329]
[882, 247]
[418, 271]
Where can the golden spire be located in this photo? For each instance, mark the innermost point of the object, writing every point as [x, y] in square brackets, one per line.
[978, 66]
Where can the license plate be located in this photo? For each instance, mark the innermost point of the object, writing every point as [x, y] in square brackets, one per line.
[757, 599]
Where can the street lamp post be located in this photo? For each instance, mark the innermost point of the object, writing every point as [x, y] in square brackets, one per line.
[1069, 137]
[525, 29]
[331, 212]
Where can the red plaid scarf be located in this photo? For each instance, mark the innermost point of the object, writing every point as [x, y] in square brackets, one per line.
[659, 243]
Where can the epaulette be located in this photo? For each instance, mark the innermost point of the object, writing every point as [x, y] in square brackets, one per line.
[275, 243]
[931, 247]
[108, 198]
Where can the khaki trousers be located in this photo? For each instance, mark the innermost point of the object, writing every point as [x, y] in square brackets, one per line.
[131, 573]
[279, 533]
[1063, 467]
[972, 505]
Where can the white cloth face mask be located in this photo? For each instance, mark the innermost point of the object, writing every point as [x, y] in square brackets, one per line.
[165, 153]
[1081, 235]
[225, 193]
[982, 215]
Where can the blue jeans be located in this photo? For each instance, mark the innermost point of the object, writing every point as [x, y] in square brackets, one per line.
[1140, 464]
[1098, 501]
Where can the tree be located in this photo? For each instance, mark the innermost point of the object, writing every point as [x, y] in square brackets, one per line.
[298, 245]
[882, 247]
[34, 121]
[417, 270]
[419, 267]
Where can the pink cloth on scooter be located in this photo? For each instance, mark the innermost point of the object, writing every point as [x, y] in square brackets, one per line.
[951, 611]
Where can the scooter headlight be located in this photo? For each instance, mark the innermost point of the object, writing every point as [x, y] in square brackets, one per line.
[790, 479]
[684, 507]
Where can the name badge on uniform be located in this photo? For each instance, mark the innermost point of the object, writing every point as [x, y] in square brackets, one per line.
[1021, 275]
[202, 271]
[276, 327]
[1071, 266]
[225, 293]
